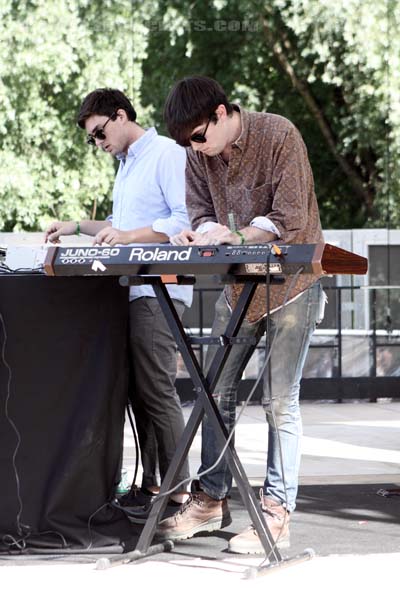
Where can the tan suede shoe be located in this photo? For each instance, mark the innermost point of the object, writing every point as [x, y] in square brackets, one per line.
[277, 519]
[199, 513]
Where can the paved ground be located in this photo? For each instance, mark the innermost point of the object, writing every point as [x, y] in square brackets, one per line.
[349, 453]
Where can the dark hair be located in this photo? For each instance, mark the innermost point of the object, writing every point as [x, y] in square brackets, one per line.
[192, 101]
[104, 101]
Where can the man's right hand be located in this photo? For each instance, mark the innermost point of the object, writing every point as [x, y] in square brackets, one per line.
[184, 238]
[53, 232]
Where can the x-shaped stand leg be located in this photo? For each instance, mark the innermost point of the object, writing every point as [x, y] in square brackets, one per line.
[204, 404]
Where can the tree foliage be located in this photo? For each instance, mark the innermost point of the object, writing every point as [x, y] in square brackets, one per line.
[331, 67]
[53, 52]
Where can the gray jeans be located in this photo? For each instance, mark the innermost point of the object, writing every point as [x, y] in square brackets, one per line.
[293, 326]
[155, 403]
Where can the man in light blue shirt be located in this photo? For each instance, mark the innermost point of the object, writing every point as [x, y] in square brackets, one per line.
[148, 207]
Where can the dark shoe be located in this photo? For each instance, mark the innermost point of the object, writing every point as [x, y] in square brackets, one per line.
[138, 503]
[199, 513]
[137, 498]
[277, 519]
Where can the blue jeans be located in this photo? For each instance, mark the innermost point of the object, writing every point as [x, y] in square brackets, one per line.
[295, 324]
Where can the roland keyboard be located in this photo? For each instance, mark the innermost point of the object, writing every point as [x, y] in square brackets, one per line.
[257, 259]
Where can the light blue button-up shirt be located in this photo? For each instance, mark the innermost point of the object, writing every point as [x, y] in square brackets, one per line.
[149, 191]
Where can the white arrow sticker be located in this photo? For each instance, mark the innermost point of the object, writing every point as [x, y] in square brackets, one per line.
[98, 266]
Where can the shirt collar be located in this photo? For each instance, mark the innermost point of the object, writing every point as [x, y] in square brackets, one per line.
[139, 145]
[244, 117]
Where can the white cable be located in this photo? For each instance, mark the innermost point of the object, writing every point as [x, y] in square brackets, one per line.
[14, 427]
[22, 529]
[266, 361]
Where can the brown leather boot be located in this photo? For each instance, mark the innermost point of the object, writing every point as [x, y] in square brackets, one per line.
[199, 513]
[277, 519]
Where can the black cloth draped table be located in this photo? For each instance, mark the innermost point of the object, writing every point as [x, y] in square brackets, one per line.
[63, 392]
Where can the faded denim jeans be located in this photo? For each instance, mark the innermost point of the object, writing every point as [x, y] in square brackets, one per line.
[295, 324]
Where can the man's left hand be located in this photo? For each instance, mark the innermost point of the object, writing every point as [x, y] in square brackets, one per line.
[220, 234]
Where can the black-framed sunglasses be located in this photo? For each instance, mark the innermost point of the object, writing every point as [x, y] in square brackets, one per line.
[99, 133]
[200, 138]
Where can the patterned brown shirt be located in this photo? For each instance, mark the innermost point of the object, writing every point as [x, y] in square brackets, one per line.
[269, 175]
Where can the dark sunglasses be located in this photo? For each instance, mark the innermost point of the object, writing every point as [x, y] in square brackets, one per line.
[99, 133]
[200, 138]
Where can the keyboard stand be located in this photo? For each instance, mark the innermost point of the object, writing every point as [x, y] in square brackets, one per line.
[204, 403]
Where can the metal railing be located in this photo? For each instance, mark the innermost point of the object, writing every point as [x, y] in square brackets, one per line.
[337, 384]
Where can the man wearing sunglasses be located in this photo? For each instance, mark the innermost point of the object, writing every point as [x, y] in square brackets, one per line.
[148, 207]
[248, 181]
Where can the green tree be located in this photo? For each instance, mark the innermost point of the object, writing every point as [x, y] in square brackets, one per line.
[332, 68]
[52, 54]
